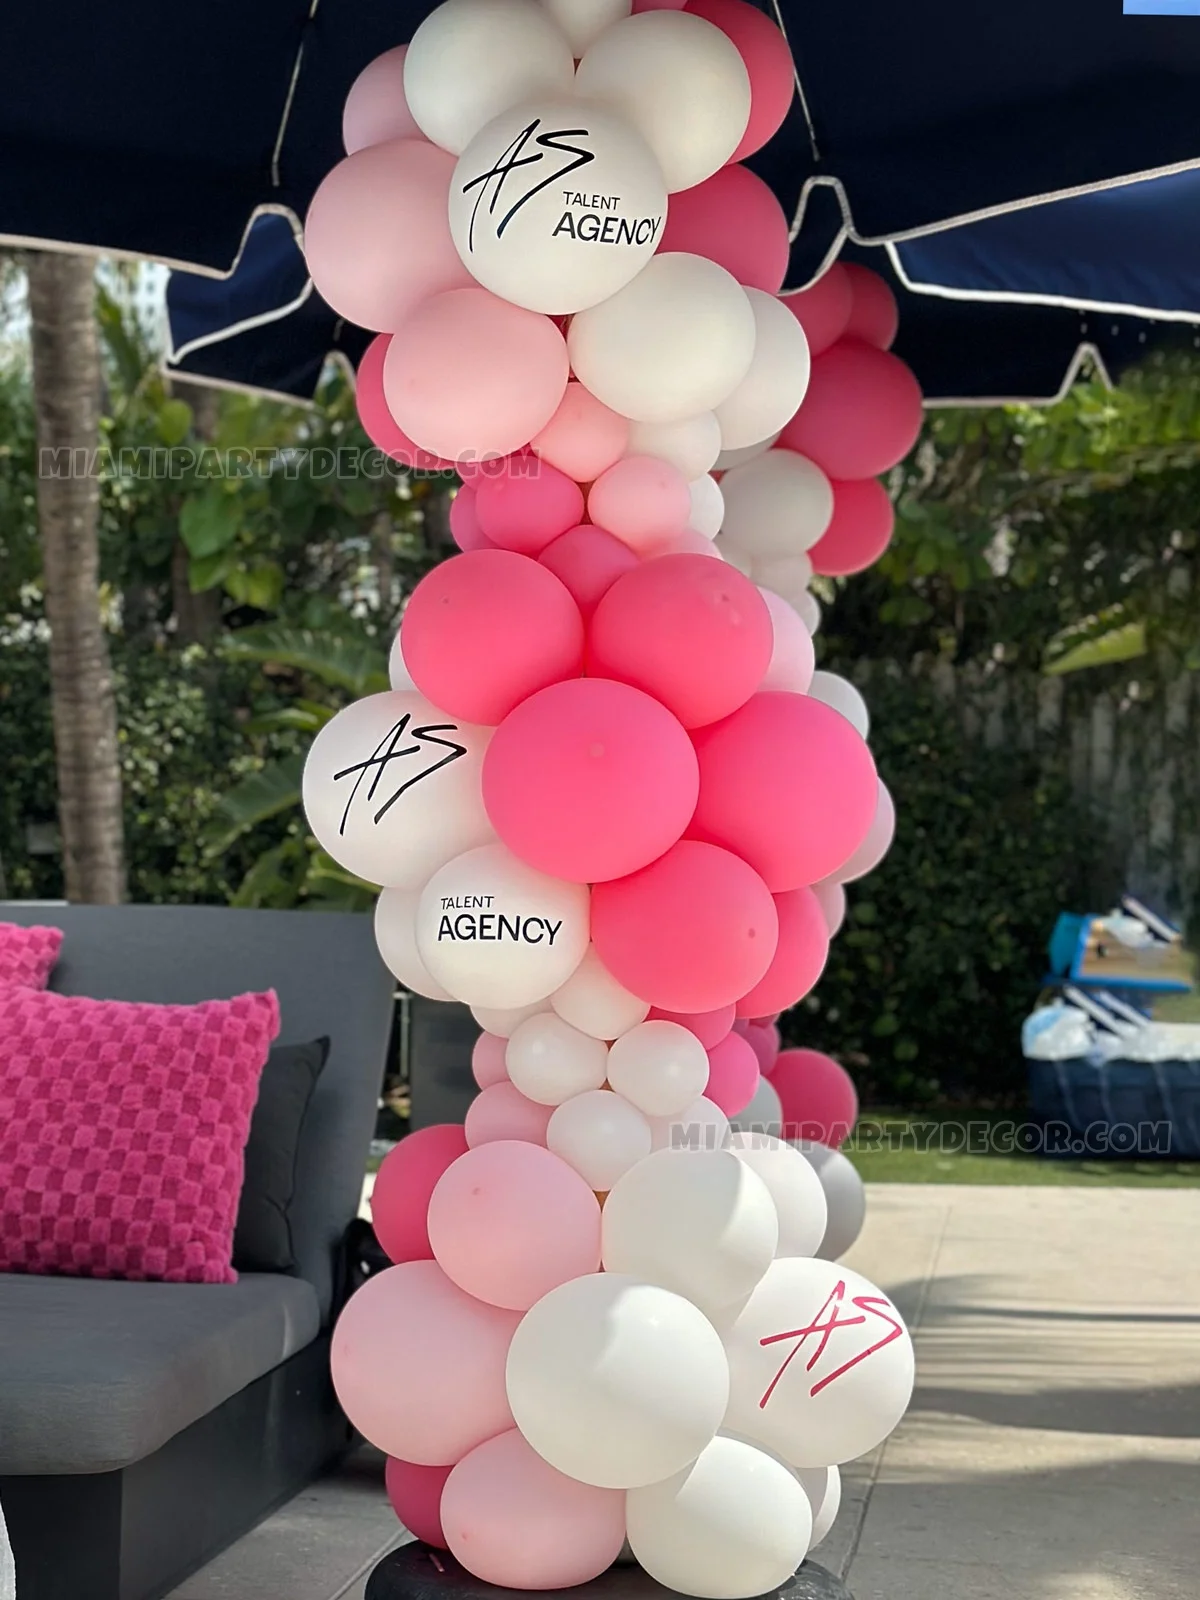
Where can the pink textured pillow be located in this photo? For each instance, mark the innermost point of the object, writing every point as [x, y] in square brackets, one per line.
[122, 1129]
[27, 955]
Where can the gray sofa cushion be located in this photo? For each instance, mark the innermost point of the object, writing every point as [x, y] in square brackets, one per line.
[97, 1374]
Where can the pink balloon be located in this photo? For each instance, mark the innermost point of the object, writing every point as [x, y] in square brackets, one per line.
[510, 1221]
[642, 501]
[502, 1112]
[732, 1074]
[793, 656]
[768, 61]
[515, 1521]
[800, 956]
[464, 522]
[763, 1038]
[687, 543]
[377, 237]
[589, 561]
[691, 932]
[874, 316]
[416, 1496]
[824, 310]
[710, 1027]
[833, 904]
[378, 423]
[583, 438]
[658, 5]
[528, 506]
[686, 629]
[376, 109]
[488, 1063]
[818, 1097]
[877, 842]
[861, 530]
[473, 375]
[590, 780]
[862, 413]
[419, 1366]
[406, 1178]
[485, 630]
[734, 219]
[787, 784]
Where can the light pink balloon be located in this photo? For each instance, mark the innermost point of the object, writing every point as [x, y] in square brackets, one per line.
[768, 61]
[833, 904]
[800, 956]
[376, 109]
[818, 1097]
[734, 219]
[732, 1074]
[588, 561]
[416, 1497]
[515, 1521]
[583, 438]
[642, 501]
[710, 1027]
[876, 844]
[377, 237]
[419, 1366]
[528, 506]
[464, 522]
[488, 1065]
[473, 375]
[510, 1221]
[378, 423]
[793, 658]
[502, 1112]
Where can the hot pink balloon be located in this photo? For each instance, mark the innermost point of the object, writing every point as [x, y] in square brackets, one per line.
[510, 1221]
[376, 109]
[464, 522]
[800, 956]
[528, 506]
[691, 932]
[833, 904]
[406, 1178]
[874, 316]
[516, 1522]
[824, 310]
[734, 219]
[502, 1112]
[583, 438]
[733, 1074]
[768, 61]
[642, 501]
[688, 630]
[590, 780]
[862, 413]
[473, 375]
[818, 1097]
[377, 238]
[877, 842]
[378, 423]
[788, 784]
[485, 630]
[589, 561]
[710, 1027]
[488, 1063]
[861, 530]
[763, 1038]
[416, 1497]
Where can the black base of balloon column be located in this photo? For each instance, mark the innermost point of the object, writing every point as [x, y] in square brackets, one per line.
[415, 1572]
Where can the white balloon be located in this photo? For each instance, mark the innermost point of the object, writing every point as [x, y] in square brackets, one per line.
[692, 445]
[701, 1223]
[601, 1135]
[470, 60]
[594, 1002]
[396, 936]
[398, 673]
[556, 247]
[680, 81]
[792, 657]
[877, 843]
[771, 392]
[823, 1486]
[660, 1067]
[845, 1197]
[736, 558]
[793, 1186]
[583, 21]
[808, 609]
[549, 1061]
[777, 505]
[672, 343]
[831, 897]
[751, 452]
[494, 932]
[788, 576]
[733, 1525]
[820, 1362]
[708, 506]
[504, 1021]
[616, 1383]
[703, 1126]
[841, 694]
[764, 1114]
[392, 789]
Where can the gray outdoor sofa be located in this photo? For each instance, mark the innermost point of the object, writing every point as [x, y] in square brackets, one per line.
[145, 1426]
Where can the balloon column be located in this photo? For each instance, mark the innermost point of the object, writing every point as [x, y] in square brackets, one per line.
[605, 804]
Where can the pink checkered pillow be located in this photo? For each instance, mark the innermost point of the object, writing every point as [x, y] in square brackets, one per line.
[122, 1129]
[27, 955]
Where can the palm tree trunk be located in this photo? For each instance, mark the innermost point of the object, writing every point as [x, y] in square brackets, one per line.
[66, 383]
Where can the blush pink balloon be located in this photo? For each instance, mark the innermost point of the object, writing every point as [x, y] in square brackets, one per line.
[793, 655]
[764, 1039]
[861, 530]
[877, 842]
[818, 1097]
[642, 501]
[874, 316]
[510, 1221]
[590, 780]
[710, 1027]
[833, 904]
[732, 1074]
[691, 932]
[484, 631]
[800, 956]
[824, 310]
[734, 219]
[528, 506]
[416, 1497]
[473, 375]
[788, 784]
[378, 423]
[406, 1178]
[488, 1064]
[583, 438]
[687, 543]
[515, 1521]
[658, 5]
[376, 109]
[377, 237]
[588, 561]
[464, 522]
[502, 1112]
[862, 413]
[768, 61]
[688, 630]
